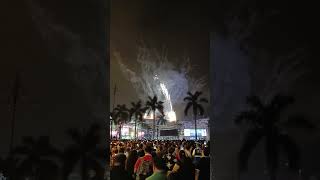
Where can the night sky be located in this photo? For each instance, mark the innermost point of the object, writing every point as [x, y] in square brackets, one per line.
[183, 28]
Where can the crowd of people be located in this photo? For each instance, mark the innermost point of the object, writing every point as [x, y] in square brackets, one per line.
[160, 160]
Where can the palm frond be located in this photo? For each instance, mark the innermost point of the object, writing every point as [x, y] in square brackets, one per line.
[148, 103]
[140, 118]
[292, 151]
[186, 110]
[201, 109]
[192, 100]
[161, 110]
[251, 140]
[131, 113]
[204, 100]
[197, 94]
[250, 117]
[162, 120]
[298, 122]
[143, 110]
[133, 104]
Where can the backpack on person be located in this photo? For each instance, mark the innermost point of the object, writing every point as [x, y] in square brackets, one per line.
[144, 170]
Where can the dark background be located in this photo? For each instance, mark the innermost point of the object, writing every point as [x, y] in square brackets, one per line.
[182, 28]
[60, 50]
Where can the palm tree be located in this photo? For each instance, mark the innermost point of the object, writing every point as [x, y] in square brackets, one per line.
[121, 116]
[37, 154]
[154, 105]
[84, 150]
[161, 121]
[145, 126]
[195, 101]
[137, 111]
[264, 124]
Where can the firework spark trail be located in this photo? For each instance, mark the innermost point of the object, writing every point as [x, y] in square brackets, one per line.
[167, 95]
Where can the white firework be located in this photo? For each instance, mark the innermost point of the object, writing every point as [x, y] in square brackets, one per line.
[157, 76]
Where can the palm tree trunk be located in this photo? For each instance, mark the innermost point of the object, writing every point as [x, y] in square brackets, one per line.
[83, 169]
[271, 154]
[138, 131]
[195, 125]
[135, 129]
[120, 131]
[154, 124]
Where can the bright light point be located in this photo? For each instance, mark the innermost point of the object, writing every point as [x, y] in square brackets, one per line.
[172, 116]
[140, 134]
[114, 133]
